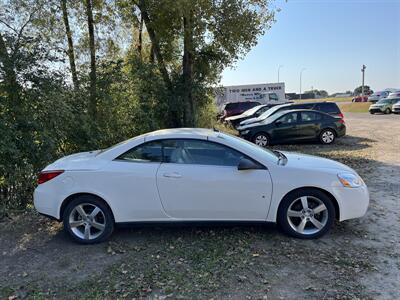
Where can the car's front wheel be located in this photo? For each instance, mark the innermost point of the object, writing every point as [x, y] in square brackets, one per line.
[261, 139]
[306, 213]
[88, 220]
[327, 136]
[387, 111]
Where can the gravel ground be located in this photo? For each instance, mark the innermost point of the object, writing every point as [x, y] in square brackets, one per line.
[359, 259]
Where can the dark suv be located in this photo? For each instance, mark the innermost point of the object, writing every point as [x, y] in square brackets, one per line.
[236, 108]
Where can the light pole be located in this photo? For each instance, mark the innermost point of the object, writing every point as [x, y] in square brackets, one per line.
[363, 74]
[280, 66]
[301, 73]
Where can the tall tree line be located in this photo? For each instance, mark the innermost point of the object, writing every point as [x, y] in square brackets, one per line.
[79, 75]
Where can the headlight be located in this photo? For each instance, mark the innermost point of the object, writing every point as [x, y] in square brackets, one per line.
[244, 132]
[350, 180]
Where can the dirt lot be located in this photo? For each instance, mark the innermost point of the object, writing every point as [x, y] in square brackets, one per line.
[359, 259]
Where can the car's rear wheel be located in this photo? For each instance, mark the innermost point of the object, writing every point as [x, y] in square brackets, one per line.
[306, 213]
[387, 111]
[88, 220]
[327, 136]
[261, 139]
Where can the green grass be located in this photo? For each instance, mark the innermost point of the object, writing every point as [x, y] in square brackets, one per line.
[355, 107]
[340, 99]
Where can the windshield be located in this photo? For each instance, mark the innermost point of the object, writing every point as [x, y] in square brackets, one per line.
[384, 101]
[251, 111]
[250, 146]
[269, 112]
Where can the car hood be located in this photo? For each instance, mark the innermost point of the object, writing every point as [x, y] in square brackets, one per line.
[256, 122]
[377, 105]
[305, 161]
[77, 161]
[235, 117]
[251, 121]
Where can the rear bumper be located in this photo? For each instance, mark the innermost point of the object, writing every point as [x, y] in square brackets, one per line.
[341, 131]
[45, 204]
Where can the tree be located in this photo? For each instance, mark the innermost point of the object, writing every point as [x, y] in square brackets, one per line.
[208, 35]
[321, 93]
[92, 49]
[70, 51]
[367, 90]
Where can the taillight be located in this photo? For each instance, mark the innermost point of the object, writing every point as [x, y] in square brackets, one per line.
[341, 115]
[48, 175]
[341, 121]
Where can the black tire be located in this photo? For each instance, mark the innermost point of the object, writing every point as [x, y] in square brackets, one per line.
[327, 136]
[371, 112]
[387, 111]
[105, 219]
[287, 224]
[260, 137]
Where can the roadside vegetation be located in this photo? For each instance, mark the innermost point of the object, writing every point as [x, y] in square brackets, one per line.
[83, 75]
[356, 107]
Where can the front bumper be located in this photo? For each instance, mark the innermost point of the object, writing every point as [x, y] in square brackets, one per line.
[247, 136]
[375, 110]
[353, 202]
[396, 109]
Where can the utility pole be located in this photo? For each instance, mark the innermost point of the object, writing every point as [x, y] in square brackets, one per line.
[301, 73]
[363, 75]
[280, 66]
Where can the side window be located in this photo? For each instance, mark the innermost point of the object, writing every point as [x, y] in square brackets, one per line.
[309, 116]
[273, 97]
[147, 152]
[288, 118]
[302, 106]
[200, 153]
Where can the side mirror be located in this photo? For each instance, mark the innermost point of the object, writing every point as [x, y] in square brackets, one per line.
[247, 164]
[278, 123]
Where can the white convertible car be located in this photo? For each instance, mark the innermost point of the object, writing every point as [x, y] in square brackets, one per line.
[179, 175]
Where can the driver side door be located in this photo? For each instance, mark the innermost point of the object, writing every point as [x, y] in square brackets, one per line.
[199, 180]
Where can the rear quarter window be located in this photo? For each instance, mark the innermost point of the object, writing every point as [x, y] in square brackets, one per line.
[329, 108]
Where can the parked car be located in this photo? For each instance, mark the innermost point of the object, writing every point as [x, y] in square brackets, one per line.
[327, 107]
[186, 175]
[251, 113]
[360, 98]
[383, 106]
[394, 95]
[375, 97]
[295, 126]
[237, 108]
[396, 107]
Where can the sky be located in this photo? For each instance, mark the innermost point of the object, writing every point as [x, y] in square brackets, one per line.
[331, 39]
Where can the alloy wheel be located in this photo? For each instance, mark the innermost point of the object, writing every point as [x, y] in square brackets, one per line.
[261, 140]
[328, 137]
[87, 221]
[307, 215]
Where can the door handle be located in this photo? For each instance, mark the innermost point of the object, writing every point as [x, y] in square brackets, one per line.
[172, 175]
